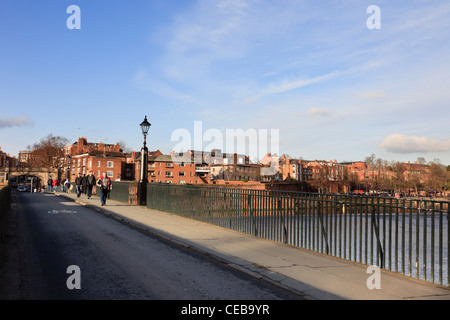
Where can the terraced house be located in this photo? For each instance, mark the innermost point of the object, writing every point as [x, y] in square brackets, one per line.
[163, 169]
[83, 156]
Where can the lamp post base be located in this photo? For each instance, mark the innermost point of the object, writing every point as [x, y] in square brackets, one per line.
[142, 193]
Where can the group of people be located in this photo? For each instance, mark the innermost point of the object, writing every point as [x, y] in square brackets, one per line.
[53, 184]
[84, 185]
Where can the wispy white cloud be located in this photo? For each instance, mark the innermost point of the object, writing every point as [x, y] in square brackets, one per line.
[373, 95]
[318, 112]
[14, 122]
[289, 85]
[400, 143]
[144, 81]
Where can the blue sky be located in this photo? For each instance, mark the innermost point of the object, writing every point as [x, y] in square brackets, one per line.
[313, 70]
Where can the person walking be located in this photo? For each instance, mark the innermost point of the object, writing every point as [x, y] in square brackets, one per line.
[105, 187]
[78, 184]
[84, 185]
[49, 184]
[67, 185]
[90, 183]
[55, 185]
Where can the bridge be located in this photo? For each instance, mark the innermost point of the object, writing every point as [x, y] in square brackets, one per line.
[405, 236]
[25, 174]
[393, 239]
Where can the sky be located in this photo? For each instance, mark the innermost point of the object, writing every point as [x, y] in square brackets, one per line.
[318, 80]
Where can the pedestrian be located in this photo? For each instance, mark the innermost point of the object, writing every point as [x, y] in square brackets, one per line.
[84, 184]
[90, 183]
[67, 186]
[78, 184]
[105, 187]
[50, 184]
[55, 185]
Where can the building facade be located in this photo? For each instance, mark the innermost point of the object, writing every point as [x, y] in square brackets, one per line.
[83, 156]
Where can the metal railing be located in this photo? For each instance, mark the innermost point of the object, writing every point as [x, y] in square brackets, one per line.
[407, 236]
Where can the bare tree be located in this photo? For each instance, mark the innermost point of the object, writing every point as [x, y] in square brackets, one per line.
[124, 147]
[47, 152]
[438, 175]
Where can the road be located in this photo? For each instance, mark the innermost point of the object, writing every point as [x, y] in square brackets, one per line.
[48, 234]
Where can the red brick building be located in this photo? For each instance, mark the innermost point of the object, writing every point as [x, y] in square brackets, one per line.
[99, 162]
[83, 156]
[287, 169]
[163, 169]
[7, 161]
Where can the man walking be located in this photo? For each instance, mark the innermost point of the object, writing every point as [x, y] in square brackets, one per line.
[105, 186]
[78, 184]
[90, 182]
[50, 184]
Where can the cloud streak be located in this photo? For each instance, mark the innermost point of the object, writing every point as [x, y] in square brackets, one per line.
[14, 122]
[399, 143]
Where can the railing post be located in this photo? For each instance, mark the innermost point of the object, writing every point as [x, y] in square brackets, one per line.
[324, 232]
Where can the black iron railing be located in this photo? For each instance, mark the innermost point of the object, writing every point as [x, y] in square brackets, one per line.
[402, 235]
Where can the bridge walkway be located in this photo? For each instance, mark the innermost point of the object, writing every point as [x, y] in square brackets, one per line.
[314, 276]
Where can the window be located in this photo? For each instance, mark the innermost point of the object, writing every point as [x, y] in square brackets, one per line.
[90, 163]
[110, 164]
[98, 174]
[110, 174]
[182, 174]
[98, 164]
[84, 161]
[79, 162]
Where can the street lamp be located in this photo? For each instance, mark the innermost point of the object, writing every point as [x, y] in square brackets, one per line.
[142, 187]
[68, 157]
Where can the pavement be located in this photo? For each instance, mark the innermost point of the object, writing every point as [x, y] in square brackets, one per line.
[311, 275]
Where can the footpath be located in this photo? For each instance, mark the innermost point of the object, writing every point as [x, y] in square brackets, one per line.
[312, 275]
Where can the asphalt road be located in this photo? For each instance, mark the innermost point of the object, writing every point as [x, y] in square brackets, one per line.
[49, 234]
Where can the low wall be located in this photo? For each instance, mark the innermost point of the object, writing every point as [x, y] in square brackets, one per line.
[5, 205]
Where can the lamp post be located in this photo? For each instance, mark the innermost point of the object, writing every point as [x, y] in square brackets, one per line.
[142, 187]
[68, 157]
